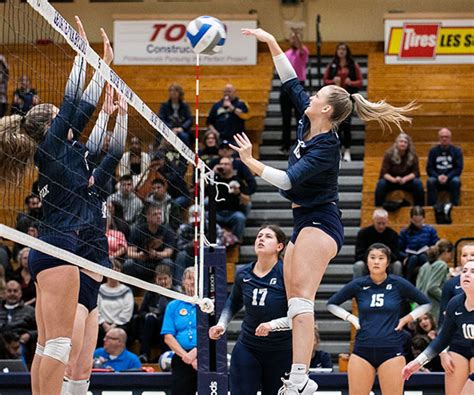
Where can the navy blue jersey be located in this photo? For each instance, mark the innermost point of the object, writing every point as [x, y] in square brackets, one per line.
[456, 320]
[313, 165]
[379, 308]
[451, 288]
[264, 300]
[63, 170]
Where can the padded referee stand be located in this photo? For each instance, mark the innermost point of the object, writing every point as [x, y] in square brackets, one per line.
[212, 355]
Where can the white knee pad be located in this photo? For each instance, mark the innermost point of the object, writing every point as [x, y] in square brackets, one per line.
[297, 306]
[39, 350]
[58, 349]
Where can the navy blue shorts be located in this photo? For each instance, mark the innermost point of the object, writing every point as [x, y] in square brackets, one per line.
[326, 217]
[461, 349]
[88, 292]
[94, 247]
[376, 356]
[38, 261]
[471, 377]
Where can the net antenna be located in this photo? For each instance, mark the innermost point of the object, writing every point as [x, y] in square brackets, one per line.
[53, 18]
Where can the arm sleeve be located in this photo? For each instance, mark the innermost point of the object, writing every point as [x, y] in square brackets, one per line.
[276, 177]
[318, 160]
[338, 311]
[233, 304]
[458, 164]
[96, 139]
[280, 324]
[284, 68]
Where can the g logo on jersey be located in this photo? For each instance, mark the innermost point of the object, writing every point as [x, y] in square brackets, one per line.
[273, 281]
[297, 149]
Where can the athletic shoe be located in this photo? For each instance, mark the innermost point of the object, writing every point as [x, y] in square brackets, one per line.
[289, 388]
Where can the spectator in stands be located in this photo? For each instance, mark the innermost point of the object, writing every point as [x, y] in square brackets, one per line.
[23, 277]
[400, 170]
[434, 273]
[24, 97]
[11, 347]
[174, 171]
[419, 343]
[426, 325]
[115, 305]
[180, 333]
[151, 243]
[114, 354]
[16, 317]
[210, 151]
[228, 115]
[115, 218]
[415, 241]
[4, 76]
[33, 213]
[131, 203]
[156, 170]
[298, 56]
[343, 71]
[444, 168]
[170, 210]
[319, 359]
[378, 232]
[151, 313]
[5, 254]
[134, 162]
[232, 203]
[176, 115]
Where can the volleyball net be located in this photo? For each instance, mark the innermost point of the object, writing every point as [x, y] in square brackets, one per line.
[154, 195]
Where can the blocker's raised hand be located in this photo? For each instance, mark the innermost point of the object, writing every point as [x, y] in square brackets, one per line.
[260, 34]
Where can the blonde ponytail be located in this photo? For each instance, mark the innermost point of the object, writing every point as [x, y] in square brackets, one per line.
[16, 149]
[382, 112]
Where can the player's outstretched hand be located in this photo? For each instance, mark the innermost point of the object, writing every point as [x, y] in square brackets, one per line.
[109, 105]
[260, 34]
[409, 369]
[243, 147]
[216, 332]
[263, 329]
[81, 30]
[122, 105]
[108, 51]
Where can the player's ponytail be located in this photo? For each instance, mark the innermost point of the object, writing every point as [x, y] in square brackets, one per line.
[16, 148]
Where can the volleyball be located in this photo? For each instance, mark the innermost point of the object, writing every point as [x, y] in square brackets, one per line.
[206, 35]
[165, 361]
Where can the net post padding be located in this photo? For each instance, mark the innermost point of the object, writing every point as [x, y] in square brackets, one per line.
[37, 244]
[212, 355]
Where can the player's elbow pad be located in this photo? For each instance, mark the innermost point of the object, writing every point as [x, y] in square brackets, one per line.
[277, 178]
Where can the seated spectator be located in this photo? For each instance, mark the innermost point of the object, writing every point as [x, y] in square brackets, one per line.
[5, 254]
[115, 220]
[134, 162]
[426, 325]
[400, 171]
[176, 115]
[152, 311]
[24, 97]
[170, 211]
[415, 241]
[231, 205]
[434, 273]
[319, 359]
[227, 116]
[114, 354]
[151, 243]
[115, 305]
[23, 277]
[210, 151]
[156, 170]
[131, 203]
[419, 343]
[33, 213]
[11, 347]
[18, 318]
[180, 332]
[444, 167]
[378, 232]
[4, 76]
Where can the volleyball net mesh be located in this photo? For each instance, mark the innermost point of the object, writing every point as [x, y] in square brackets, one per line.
[150, 196]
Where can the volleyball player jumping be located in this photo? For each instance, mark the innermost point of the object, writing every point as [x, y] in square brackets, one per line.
[310, 183]
[459, 319]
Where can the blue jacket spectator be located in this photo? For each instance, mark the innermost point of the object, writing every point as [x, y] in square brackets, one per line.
[228, 115]
[176, 115]
[179, 330]
[444, 168]
[114, 355]
[415, 241]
